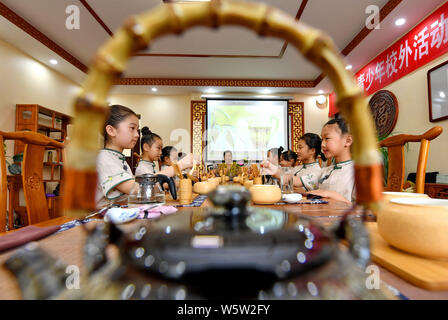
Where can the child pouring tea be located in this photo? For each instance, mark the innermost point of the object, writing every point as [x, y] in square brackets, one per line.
[168, 157]
[336, 181]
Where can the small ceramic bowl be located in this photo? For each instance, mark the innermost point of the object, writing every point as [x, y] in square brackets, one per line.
[387, 195]
[292, 197]
[204, 187]
[416, 225]
[214, 181]
[265, 194]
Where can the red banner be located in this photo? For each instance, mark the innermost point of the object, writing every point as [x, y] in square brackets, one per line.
[332, 109]
[424, 43]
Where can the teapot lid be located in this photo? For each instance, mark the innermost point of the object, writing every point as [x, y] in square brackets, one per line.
[147, 178]
[231, 237]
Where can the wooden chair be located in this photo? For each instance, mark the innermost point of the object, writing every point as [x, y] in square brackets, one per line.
[32, 176]
[395, 146]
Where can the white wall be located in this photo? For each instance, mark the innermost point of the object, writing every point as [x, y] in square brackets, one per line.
[315, 116]
[26, 81]
[413, 118]
[168, 116]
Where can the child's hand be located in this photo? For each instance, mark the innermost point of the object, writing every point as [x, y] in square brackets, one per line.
[320, 192]
[186, 162]
[269, 168]
[328, 194]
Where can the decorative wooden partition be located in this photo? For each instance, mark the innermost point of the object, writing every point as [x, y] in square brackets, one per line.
[297, 124]
[199, 119]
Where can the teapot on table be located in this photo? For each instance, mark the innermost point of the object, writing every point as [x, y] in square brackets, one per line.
[150, 189]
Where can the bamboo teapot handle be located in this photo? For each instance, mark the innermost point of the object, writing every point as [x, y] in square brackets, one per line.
[138, 32]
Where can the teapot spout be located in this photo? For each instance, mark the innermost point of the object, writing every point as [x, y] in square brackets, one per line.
[351, 229]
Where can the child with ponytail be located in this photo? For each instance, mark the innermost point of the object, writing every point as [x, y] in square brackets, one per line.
[288, 159]
[151, 145]
[274, 155]
[168, 157]
[309, 148]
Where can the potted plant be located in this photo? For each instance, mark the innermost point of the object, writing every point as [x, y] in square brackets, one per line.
[14, 168]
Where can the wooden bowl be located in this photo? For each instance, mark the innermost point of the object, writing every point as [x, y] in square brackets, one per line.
[416, 225]
[248, 184]
[258, 180]
[265, 194]
[216, 180]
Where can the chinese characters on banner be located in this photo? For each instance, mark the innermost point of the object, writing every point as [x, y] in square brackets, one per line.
[424, 43]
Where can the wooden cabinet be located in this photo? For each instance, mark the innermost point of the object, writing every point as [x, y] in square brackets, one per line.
[39, 119]
[436, 190]
[33, 117]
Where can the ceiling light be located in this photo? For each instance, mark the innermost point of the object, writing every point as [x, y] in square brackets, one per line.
[265, 91]
[184, 1]
[321, 99]
[154, 89]
[320, 91]
[210, 90]
[54, 61]
[442, 94]
[400, 22]
[349, 67]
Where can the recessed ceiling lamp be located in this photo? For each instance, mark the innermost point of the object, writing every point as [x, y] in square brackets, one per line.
[320, 91]
[210, 90]
[184, 1]
[54, 61]
[153, 89]
[349, 67]
[265, 91]
[400, 22]
[321, 99]
[442, 94]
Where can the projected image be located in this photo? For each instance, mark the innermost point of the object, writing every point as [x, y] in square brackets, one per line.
[247, 128]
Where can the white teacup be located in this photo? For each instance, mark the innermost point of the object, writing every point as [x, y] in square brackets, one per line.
[292, 197]
[387, 195]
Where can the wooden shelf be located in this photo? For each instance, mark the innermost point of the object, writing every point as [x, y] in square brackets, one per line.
[52, 164]
[47, 128]
[53, 124]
